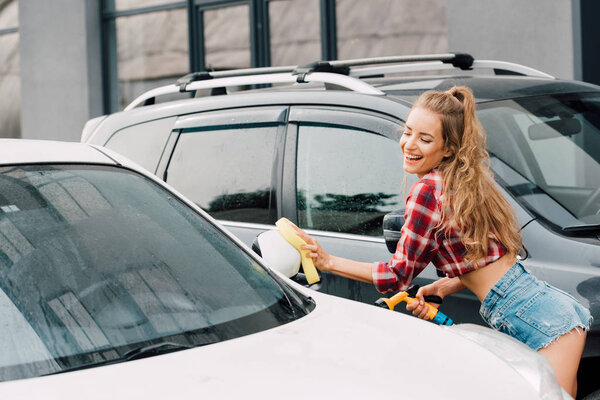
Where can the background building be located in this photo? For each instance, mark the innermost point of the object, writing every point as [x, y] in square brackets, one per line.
[65, 61]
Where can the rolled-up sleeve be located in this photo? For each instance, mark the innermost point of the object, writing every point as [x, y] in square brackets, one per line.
[417, 241]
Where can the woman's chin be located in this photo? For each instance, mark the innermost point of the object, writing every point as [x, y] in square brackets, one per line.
[409, 169]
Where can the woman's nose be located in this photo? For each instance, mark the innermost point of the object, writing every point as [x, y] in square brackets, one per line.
[410, 143]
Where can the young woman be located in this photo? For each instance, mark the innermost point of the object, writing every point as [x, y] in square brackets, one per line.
[458, 220]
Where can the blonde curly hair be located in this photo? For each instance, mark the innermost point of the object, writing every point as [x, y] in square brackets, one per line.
[470, 201]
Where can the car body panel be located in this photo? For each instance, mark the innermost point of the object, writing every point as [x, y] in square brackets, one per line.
[16, 151]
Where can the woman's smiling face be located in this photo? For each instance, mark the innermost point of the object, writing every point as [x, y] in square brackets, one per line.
[422, 142]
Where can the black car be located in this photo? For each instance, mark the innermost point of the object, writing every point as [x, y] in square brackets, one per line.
[318, 144]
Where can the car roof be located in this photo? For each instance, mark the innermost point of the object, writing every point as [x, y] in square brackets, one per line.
[402, 91]
[25, 151]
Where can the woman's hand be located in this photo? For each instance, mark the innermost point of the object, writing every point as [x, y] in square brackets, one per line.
[322, 260]
[419, 309]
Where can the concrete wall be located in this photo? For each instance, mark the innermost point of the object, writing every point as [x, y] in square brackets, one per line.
[61, 77]
[10, 78]
[536, 33]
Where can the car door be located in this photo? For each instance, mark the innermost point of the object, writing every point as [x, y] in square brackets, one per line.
[348, 174]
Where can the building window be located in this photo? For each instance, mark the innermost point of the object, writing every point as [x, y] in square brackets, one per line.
[294, 28]
[227, 37]
[10, 81]
[390, 27]
[148, 57]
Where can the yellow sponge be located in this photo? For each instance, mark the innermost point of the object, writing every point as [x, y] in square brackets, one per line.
[288, 232]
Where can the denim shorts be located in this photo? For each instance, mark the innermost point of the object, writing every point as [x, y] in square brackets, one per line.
[530, 310]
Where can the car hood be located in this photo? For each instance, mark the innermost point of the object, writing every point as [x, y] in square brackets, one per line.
[342, 348]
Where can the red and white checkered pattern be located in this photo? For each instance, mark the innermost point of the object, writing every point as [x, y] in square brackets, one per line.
[421, 242]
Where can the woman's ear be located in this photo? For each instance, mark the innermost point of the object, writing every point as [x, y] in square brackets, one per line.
[448, 152]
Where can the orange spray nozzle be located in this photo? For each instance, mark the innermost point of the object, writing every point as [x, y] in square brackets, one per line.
[398, 298]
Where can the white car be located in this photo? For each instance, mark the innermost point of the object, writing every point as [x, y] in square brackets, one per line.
[114, 286]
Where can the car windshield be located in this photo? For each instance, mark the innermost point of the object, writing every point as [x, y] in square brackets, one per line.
[98, 263]
[545, 150]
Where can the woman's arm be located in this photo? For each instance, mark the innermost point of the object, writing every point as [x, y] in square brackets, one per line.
[324, 261]
[447, 286]
[360, 271]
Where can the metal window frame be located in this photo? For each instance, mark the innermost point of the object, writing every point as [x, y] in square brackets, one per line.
[328, 30]
[7, 31]
[255, 13]
[110, 73]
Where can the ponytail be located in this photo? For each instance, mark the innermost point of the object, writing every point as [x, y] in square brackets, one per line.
[471, 200]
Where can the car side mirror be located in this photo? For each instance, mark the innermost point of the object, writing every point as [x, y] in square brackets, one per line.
[392, 224]
[277, 253]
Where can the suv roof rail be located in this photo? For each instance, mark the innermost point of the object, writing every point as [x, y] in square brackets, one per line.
[458, 60]
[499, 67]
[192, 83]
[206, 75]
[336, 72]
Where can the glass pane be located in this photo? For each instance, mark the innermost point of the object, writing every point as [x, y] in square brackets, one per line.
[129, 4]
[347, 179]
[227, 172]
[295, 29]
[97, 262]
[149, 57]
[227, 38]
[10, 86]
[553, 143]
[390, 27]
[9, 14]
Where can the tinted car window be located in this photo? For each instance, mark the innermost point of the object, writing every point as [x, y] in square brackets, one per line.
[347, 178]
[98, 262]
[551, 143]
[228, 170]
[143, 143]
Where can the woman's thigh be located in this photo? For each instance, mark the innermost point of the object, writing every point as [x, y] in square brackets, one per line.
[564, 355]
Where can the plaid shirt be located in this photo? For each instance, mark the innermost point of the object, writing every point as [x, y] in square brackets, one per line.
[421, 242]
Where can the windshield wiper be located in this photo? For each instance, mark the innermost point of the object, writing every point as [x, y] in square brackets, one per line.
[154, 349]
[134, 354]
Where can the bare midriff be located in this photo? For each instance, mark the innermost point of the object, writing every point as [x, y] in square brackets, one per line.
[482, 280]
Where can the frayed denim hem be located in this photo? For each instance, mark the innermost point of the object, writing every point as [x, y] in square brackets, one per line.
[580, 329]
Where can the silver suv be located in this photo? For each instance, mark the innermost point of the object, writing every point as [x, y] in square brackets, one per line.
[318, 144]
